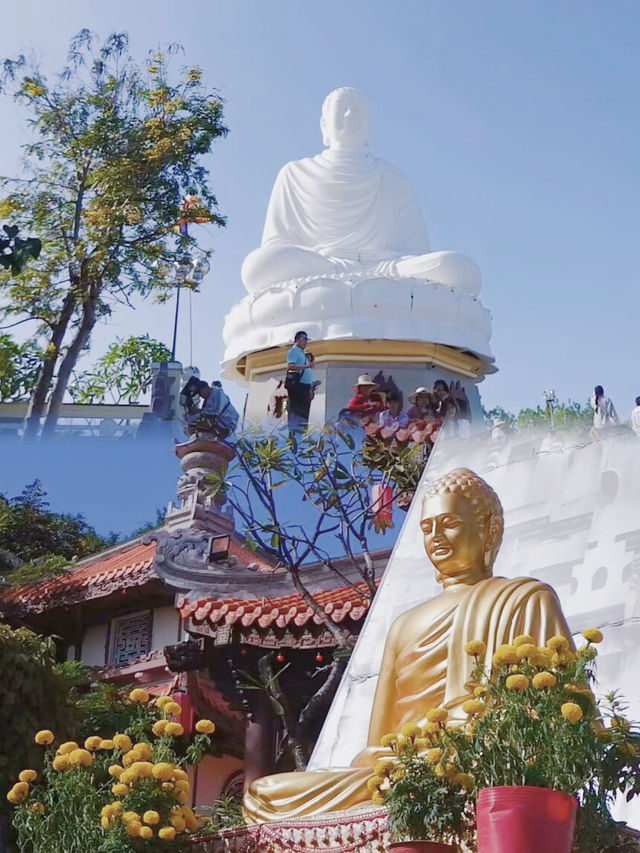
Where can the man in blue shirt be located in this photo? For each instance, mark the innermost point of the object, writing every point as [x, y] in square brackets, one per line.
[299, 382]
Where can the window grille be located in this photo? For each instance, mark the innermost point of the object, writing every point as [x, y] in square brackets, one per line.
[130, 637]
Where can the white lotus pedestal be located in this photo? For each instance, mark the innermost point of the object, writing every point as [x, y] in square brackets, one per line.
[414, 331]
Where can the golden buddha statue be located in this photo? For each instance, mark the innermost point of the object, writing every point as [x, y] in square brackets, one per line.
[424, 664]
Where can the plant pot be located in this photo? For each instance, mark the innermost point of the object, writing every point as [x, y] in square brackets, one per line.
[525, 819]
[421, 847]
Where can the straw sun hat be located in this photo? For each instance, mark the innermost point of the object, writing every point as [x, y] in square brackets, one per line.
[418, 392]
[364, 379]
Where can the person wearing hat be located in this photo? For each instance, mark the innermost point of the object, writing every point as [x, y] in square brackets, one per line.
[422, 408]
[364, 401]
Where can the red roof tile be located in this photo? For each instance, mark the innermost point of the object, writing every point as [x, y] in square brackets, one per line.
[278, 612]
[120, 567]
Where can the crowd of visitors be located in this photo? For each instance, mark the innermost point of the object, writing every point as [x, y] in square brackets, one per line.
[605, 417]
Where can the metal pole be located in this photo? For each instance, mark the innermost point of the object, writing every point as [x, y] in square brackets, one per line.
[175, 324]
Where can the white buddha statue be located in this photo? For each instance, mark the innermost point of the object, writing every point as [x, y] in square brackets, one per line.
[348, 211]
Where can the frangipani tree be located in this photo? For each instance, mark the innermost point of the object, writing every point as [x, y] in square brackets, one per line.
[115, 149]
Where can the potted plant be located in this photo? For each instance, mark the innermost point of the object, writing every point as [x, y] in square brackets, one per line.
[539, 745]
[428, 801]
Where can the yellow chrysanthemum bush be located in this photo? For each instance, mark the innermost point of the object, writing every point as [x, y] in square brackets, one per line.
[542, 726]
[530, 718]
[420, 782]
[125, 793]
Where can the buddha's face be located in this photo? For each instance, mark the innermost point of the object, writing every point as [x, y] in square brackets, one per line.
[345, 120]
[454, 538]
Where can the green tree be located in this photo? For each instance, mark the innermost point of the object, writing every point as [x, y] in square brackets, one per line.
[123, 373]
[19, 368]
[15, 251]
[36, 542]
[115, 150]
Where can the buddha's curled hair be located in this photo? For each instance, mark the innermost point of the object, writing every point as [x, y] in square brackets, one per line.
[485, 503]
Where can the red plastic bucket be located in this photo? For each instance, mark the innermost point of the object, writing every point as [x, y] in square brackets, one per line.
[525, 820]
[421, 847]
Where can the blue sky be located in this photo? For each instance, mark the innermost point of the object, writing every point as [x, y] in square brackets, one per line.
[518, 123]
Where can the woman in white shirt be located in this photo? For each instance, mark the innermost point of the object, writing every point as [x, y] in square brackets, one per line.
[604, 413]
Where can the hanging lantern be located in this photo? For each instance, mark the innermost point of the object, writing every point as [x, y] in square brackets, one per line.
[164, 271]
[182, 268]
[279, 657]
[319, 658]
[381, 507]
[199, 268]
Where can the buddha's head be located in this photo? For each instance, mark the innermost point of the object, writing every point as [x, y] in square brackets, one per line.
[346, 119]
[462, 522]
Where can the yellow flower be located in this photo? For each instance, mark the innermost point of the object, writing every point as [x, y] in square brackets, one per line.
[142, 769]
[116, 807]
[92, 742]
[139, 695]
[475, 648]
[411, 731]
[191, 819]
[434, 755]
[592, 635]
[558, 644]
[182, 796]
[480, 690]
[159, 727]
[44, 737]
[81, 758]
[587, 653]
[60, 762]
[571, 712]
[430, 728]
[120, 790]
[127, 817]
[122, 742]
[523, 640]
[27, 776]
[167, 833]
[422, 743]
[133, 828]
[174, 729]
[151, 817]
[146, 832]
[464, 780]
[506, 655]
[527, 650]
[628, 748]
[517, 682]
[144, 750]
[33, 89]
[471, 728]
[162, 771]
[18, 793]
[437, 715]
[205, 727]
[377, 798]
[167, 786]
[105, 823]
[543, 679]
[389, 740]
[374, 782]
[172, 708]
[161, 701]
[116, 771]
[473, 707]
[38, 808]
[129, 758]
[106, 744]
[179, 773]
[383, 767]
[128, 777]
[67, 748]
[178, 822]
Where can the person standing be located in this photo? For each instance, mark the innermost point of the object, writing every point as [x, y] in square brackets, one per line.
[635, 418]
[299, 382]
[604, 413]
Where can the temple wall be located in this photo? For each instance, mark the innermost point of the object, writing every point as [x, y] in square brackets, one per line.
[94, 645]
[572, 519]
[166, 627]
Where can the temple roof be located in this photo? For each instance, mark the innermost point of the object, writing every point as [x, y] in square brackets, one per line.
[129, 564]
[282, 612]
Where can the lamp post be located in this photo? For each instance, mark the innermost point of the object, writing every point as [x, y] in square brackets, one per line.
[550, 400]
[188, 269]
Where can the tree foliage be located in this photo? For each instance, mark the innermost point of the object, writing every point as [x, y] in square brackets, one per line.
[570, 415]
[36, 542]
[115, 150]
[19, 368]
[122, 374]
[15, 251]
